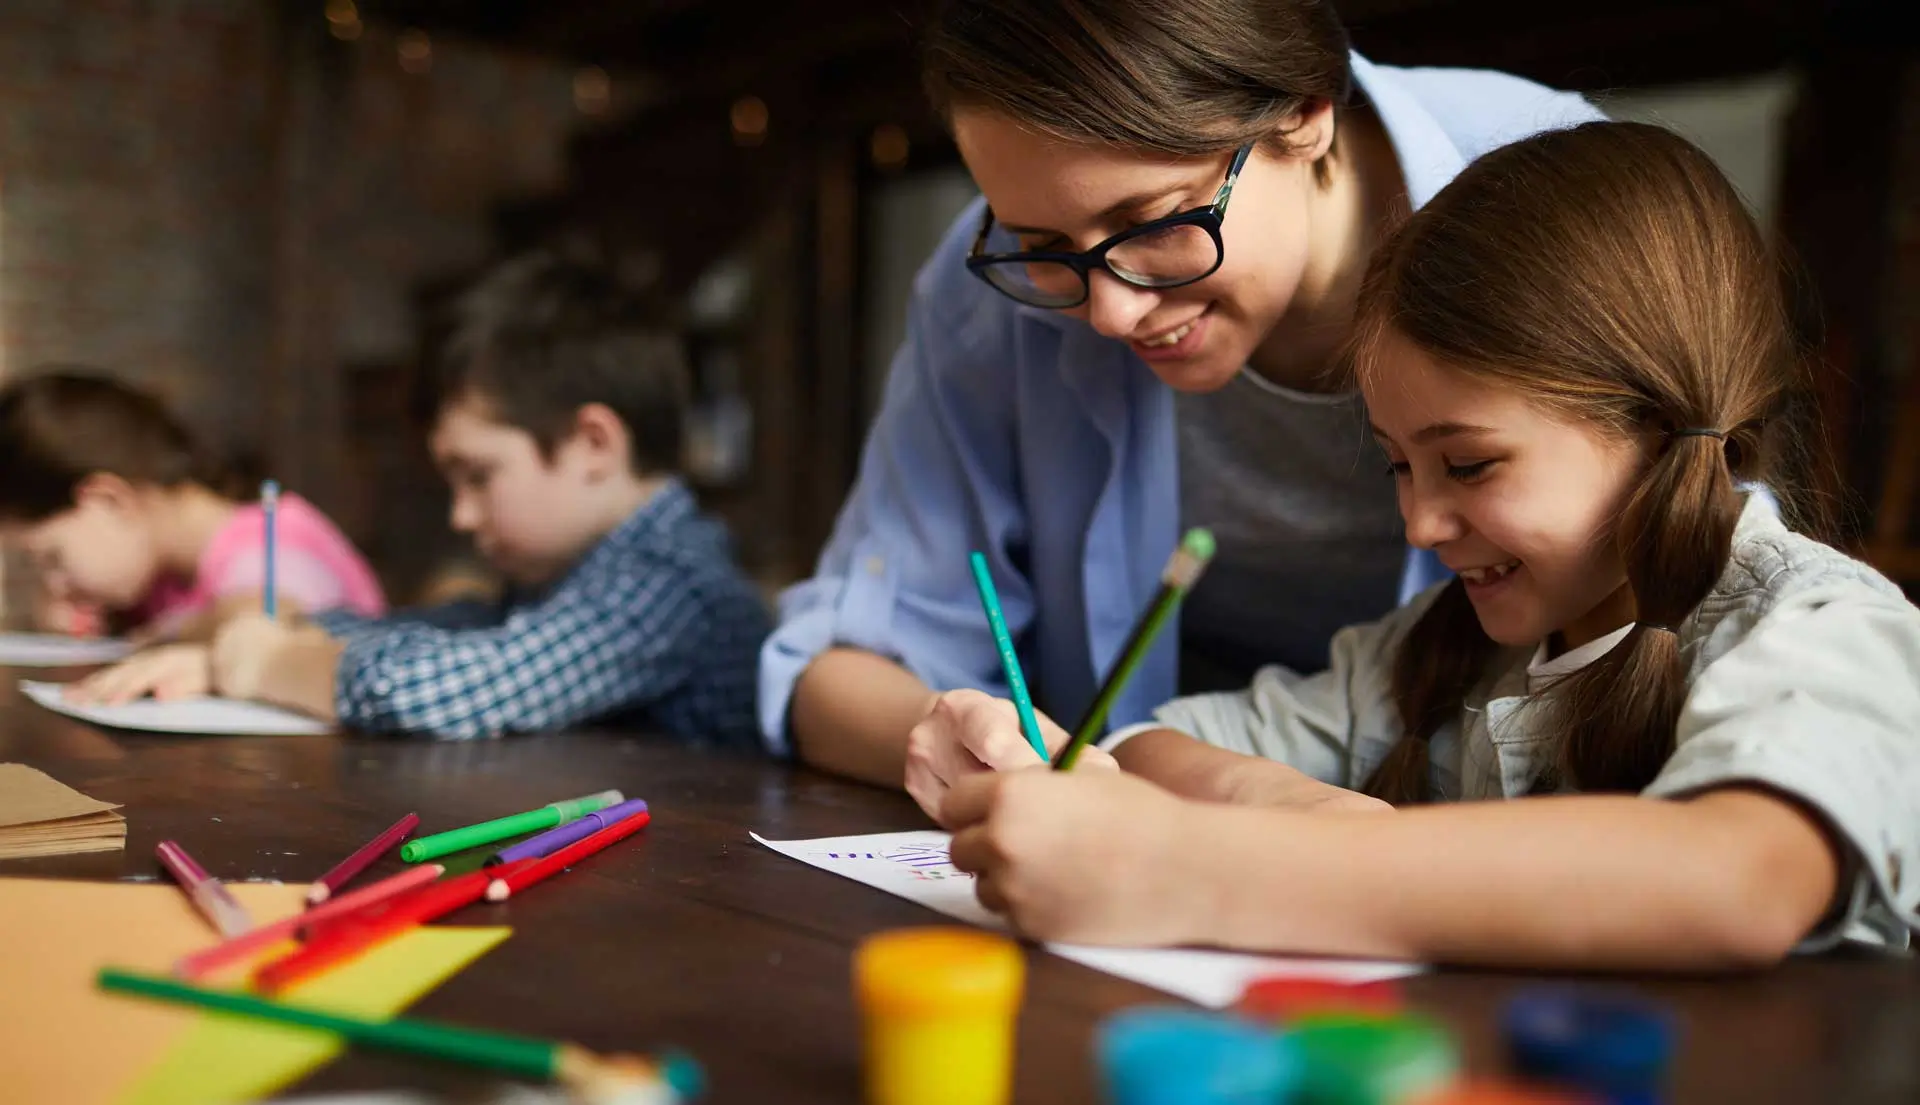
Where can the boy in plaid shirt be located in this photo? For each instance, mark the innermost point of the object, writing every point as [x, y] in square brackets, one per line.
[559, 430]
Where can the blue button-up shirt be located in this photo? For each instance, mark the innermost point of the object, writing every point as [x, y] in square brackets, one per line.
[1024, 434]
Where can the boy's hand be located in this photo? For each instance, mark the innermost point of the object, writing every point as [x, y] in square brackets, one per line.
[167, 673]
[287, 663]
[969, 732]
[1090, 857]
[246, 648]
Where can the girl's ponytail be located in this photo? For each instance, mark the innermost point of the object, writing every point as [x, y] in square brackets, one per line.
[1618, 712]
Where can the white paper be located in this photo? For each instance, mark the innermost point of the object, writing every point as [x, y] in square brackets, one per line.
[218, 717]
[916, 866]
[55, 650]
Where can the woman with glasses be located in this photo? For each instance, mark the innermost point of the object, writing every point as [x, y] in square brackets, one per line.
[1136, 330]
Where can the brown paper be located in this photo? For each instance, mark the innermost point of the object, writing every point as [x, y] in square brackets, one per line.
[41, 816]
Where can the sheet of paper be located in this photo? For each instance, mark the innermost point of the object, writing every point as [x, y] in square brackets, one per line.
[916, 866]
[220, 717]
[239, 1059]
[65, 1041]
[29, 795]
[54, 650]
[42, 816]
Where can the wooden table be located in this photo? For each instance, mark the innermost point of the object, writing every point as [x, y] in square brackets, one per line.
[692, 934]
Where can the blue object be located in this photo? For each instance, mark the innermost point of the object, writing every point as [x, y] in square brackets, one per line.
[1019, 428]
[1165, 1055]
[1608, 1045]
[270, 509]
[1009, 659]
[683, 1073]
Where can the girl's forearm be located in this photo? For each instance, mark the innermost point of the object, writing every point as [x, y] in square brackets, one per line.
[1734, 878]
[1194, 769]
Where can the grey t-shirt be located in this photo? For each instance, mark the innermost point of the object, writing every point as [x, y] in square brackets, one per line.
[1309, 535]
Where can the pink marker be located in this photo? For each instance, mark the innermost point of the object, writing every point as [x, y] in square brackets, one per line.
[331, 882]
[209, 895]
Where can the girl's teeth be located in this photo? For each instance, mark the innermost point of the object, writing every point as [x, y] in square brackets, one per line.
[1170, 338]
[1488, 575]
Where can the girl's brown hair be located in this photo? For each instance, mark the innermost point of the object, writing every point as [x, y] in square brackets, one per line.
[1187, 79]
[62, 424]
[1611, 273]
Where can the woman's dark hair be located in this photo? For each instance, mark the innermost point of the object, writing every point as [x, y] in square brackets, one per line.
[1180, 77]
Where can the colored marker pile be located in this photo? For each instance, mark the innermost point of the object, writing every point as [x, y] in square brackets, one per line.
[339, 927]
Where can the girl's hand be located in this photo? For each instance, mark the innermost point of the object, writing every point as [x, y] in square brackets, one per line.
[968, 733]
[167, 673]
[1090, 857]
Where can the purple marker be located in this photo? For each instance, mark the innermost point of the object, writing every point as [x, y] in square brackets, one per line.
[555, 839]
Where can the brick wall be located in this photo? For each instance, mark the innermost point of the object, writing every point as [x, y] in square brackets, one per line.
[220, 200]
[136, 191]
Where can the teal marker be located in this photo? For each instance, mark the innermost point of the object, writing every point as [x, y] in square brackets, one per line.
[1009, 660]
[1176, 579]
[546, 817]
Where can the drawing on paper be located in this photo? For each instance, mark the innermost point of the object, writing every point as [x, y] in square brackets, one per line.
[926, 861]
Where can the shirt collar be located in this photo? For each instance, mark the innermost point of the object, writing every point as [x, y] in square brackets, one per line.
[671, 505]
[1542, 671]
[1428, 158]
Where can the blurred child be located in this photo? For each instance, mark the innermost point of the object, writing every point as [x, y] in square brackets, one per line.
[1576, 361]
[123, 514]
[559, 432]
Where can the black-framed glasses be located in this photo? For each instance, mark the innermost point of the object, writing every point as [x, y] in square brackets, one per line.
[1166, 253]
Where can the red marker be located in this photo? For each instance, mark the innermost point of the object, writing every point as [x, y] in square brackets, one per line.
[516, 879]
[349, 936]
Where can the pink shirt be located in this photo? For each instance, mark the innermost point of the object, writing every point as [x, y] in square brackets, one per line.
[315, 566]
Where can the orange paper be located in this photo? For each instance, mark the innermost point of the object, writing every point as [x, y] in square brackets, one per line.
[65, 1041]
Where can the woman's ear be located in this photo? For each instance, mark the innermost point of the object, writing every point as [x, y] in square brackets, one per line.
[1310, 133]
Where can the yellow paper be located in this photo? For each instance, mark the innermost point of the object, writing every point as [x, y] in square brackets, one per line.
[233, 1059]
[62, 1040]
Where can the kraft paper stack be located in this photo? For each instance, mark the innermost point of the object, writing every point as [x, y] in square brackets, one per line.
[41, 816]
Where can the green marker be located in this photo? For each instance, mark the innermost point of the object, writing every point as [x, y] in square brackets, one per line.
[671, 1077]
[1182, 571]
[546, 817]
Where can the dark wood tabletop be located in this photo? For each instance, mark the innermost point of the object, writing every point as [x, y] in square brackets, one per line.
[690, 934]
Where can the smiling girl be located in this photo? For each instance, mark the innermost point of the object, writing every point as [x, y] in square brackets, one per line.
[1574, 360]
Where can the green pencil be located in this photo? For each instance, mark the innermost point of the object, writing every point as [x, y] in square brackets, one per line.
[1176, 579]
[1009, 659]
[500, 828]
[678, 1077]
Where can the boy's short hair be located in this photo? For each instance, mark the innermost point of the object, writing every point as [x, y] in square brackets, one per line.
[548, 332]
[62, 423]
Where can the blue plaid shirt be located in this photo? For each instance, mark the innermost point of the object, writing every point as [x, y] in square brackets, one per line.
[655, 627]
